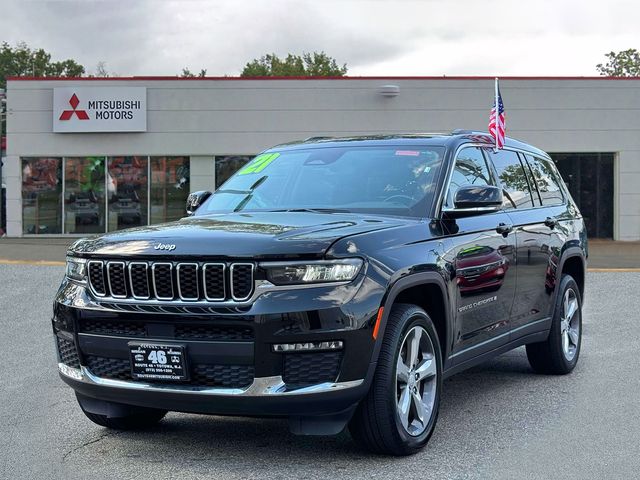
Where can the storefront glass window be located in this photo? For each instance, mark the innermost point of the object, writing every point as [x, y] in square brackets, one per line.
[84, 200]
[169, 188]
[228, 165]
[127, 192]
[41, 195]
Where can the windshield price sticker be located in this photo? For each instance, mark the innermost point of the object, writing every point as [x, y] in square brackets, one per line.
[259, 163]
[407, 153]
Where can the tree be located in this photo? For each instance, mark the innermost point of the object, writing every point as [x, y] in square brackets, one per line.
[621, 64]
[308, 65]
[22, 61]
[101, 70]
[186, 73]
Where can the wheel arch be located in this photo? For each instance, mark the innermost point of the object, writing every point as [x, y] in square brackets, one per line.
[428, 291]
[573, 263]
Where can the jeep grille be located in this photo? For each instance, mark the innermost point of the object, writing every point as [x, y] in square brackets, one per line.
[172, 281]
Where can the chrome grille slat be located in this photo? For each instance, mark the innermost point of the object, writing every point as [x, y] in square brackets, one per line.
[97, 281]
[154, 281]
[139, 280]
[158, 287]
[241, 281]
[214, 282]
[117, 279]
[187, 274]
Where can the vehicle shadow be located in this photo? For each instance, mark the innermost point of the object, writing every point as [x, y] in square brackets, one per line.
[234, 446]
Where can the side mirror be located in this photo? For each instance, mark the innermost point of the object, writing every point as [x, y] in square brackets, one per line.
[475, 200]
[195, 199]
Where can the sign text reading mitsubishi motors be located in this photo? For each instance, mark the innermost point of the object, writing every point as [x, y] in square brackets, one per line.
[99, 109]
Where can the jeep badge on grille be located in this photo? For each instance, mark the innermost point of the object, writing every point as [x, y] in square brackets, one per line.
[165, 246]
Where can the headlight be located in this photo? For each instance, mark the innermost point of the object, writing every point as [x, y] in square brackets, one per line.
[296, 273]
[76, 269]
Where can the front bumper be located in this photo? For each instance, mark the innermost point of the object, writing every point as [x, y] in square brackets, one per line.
[266, 396]
[271, 384]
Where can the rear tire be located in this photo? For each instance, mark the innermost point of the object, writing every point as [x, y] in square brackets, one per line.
[399, 413]
[558, 354]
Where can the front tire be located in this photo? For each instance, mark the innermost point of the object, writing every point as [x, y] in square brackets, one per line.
[399, 413]
[558, 354]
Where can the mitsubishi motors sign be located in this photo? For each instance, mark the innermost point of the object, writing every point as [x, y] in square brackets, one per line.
[99, 109]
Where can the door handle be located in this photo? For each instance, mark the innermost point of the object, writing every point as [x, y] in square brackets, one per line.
[504, 228]
[551, 222]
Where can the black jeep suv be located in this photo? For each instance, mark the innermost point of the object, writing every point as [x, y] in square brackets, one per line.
[333, 282]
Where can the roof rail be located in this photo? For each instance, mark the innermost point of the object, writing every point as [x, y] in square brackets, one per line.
[310, 139]
[462, 131]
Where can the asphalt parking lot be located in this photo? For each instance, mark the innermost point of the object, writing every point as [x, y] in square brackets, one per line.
[499, 420]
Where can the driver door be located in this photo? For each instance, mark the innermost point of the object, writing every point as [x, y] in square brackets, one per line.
[481, 259]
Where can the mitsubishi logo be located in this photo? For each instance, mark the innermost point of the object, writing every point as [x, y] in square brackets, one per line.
[67, 114]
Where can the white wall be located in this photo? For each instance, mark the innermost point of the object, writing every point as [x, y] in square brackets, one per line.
[210, 117]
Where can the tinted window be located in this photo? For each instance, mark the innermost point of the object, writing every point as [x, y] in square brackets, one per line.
[383, 180]
[471, 169]
[512, 178]
[42, 195]
[546, 180]
[227, 165]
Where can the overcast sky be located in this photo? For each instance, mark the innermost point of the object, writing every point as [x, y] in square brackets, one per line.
[373, 37]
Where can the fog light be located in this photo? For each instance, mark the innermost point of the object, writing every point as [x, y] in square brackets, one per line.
[307, 346]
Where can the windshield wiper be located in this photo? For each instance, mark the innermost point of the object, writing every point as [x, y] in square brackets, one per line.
[255, 185]
[314, 210]
[248, 194]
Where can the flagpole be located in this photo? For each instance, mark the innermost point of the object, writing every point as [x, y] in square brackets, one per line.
[497, 121]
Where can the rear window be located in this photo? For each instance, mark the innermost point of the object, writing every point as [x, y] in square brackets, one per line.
[512, 179]
[546, 180]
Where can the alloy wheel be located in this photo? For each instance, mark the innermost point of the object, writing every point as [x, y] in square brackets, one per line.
[416, 381]
[570, 324]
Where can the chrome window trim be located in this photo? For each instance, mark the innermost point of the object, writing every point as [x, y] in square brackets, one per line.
[260, 387]
[153, 278]
[473, 210]
[90, 283]
[204, 281]
[133, 292]
[253, 267]
[185, 264]
[124, 274]
[440, 206]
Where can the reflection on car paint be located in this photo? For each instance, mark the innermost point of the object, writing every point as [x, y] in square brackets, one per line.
[480, 269]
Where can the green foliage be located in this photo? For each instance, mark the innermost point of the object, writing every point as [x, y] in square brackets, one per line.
[308, 65]
[22, 61]
[621, 64]
[186, 73]
[93, 175]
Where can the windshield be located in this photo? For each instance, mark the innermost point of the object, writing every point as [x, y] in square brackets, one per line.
[382, 180]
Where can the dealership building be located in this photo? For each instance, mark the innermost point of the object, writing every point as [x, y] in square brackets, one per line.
[97, 155]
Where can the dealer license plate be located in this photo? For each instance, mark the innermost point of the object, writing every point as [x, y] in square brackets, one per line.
[158, 362]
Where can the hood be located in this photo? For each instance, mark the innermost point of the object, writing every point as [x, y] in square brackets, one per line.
[258, 235]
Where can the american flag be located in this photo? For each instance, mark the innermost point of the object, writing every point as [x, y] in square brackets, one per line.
[497, 126]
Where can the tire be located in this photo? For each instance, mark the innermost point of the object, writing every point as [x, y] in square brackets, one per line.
[558, 354]
[377, 424]
[139, 418]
